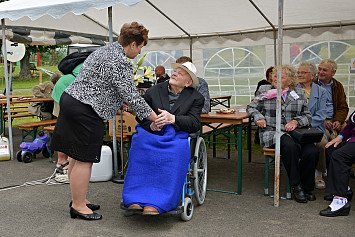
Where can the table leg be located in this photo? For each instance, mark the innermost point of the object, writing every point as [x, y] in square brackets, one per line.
[249, 140]
[240, 133]
[2, 119]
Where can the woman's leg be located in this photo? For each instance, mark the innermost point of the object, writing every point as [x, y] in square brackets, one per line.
[289, 155]
[321, 164]
[309, 157]
[79, 180]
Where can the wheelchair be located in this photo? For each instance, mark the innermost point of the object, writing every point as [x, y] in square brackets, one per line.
[195, 185]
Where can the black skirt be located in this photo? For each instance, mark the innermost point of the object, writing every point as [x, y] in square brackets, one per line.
[79, 131]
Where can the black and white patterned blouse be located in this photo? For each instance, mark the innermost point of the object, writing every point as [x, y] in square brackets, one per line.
[105, 81]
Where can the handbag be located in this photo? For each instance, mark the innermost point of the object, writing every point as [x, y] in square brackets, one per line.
[306, 135]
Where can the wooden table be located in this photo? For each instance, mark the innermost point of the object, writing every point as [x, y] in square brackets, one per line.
[236, 119]
[13, 101]
[220, 100]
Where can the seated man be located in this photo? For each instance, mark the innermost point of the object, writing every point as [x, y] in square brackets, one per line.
[160, 153]
[337, 107]
[160, 74]
[202, 86]
[341, 154]
[43, 90]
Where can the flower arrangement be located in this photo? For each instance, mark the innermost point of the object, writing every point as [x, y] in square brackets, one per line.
[147, 71]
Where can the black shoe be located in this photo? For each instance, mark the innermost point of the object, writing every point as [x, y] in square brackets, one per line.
[310, 196]
[93, 207]
[349, 196]
[89, 217]
[344, 211]
[298, 194]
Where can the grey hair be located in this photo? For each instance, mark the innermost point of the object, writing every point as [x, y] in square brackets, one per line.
[291, 74]
[311, 67]
[332, 63]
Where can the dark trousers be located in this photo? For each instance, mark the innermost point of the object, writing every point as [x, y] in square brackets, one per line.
[340, 160]
[300, 162]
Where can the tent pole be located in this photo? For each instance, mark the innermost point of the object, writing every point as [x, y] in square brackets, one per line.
[278, 105]
[117, 178]
[9, 122]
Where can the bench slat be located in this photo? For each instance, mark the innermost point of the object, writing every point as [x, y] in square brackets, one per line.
[49, 129]
[208, 130]
[19, 115]
[36, 124]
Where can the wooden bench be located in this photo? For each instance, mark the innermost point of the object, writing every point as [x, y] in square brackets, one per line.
[269, 153]
[31, 128]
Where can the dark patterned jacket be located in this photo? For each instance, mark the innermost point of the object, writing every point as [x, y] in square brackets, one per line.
[291, 109]
[105, 81]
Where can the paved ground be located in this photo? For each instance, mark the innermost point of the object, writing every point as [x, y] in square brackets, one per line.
[42, 210]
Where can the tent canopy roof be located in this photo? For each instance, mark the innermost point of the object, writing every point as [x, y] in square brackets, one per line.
[197, 18]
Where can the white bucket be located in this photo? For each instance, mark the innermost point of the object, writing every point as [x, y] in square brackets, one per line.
[4, 149]
[102, 171]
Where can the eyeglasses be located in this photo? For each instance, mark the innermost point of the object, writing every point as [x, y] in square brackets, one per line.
[302, 73]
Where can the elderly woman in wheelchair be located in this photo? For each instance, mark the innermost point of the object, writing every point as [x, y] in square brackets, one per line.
[160, 154]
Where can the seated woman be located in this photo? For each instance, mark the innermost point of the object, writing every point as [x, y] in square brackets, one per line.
[160, 153]
[294, 113]
[316, 97]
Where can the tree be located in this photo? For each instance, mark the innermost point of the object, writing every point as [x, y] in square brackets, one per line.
[25, 66]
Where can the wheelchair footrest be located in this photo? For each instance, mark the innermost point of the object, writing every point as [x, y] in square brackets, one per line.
[130, 212]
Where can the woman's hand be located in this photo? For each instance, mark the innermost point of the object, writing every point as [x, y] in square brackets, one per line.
[290, 126]
[164, 118]
[261, 123]
[336, 141]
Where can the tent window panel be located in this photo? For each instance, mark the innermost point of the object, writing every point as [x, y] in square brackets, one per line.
[351, 103]
[243, 90]
[342, 78]
[226, 73]
[211, 81]
[351, 89]
[226, 81]
[242, 81]
[243, 100]
[254, 81]
[211, 73]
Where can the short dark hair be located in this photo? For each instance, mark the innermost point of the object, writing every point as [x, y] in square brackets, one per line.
[133, 32]
[268, 71]
[184, 59]
[55, 77]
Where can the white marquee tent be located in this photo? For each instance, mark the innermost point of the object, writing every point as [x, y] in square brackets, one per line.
[188, 27]
[202, 27]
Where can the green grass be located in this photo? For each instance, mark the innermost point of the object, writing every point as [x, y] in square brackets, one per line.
[25, 83]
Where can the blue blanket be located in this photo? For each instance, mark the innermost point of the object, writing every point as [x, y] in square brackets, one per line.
[157, 168]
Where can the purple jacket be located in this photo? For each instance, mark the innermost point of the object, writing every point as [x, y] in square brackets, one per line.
[348, 131]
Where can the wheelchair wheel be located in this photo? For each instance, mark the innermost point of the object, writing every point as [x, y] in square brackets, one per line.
[27, 157]
[188, 209]
[19, 156]
[200, 171]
